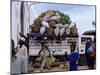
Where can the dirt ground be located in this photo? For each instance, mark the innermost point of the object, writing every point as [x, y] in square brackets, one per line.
[55, 69]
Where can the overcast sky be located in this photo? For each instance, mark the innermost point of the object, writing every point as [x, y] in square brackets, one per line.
[81, 14]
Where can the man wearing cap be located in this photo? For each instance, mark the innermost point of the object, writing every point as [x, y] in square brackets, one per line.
[22, 50]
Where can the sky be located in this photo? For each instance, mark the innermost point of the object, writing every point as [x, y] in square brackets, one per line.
[82, 15]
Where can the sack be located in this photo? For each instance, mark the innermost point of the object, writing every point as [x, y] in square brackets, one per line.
[90, 50]
[62, 66]
[55, 18]
[57, 31]
[42, 30]
[45, 24]
[62, 31]
[50, 31]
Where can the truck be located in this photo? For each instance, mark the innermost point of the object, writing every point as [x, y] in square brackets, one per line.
[58, 49]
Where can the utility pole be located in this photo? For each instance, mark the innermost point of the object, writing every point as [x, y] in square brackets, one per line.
[22, 17]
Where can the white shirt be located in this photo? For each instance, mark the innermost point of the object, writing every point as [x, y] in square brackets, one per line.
[19, 64]
[23, 51]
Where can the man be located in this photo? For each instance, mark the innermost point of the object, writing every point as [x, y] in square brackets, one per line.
[23, 49]
[73, 58]
[88, 52]
[44, 56]
[18, 62]
[91, 53]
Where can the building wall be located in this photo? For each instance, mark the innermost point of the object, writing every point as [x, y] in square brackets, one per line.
[15, 20]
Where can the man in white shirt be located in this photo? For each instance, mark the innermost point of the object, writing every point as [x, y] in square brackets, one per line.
[18, 62]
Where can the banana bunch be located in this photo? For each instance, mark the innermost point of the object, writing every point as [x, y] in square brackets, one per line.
[62, 66]
[50, 12]
[38, 59]
[51, 60]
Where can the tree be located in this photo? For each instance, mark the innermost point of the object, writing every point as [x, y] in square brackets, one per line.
[64, 19]
[93, 23]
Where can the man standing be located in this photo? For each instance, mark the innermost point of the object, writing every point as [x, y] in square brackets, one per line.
[18, 62]
[73, 58]
[88, 52]
[44, 56]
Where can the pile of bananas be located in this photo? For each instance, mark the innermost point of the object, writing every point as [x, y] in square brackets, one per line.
[38, 59]
[51, 60]
[62, 66]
